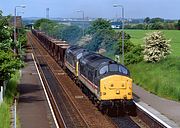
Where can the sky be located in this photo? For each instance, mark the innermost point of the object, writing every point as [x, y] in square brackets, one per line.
[168, 9]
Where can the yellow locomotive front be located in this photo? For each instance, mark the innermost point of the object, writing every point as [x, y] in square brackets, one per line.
[116, 87]
[116, 94]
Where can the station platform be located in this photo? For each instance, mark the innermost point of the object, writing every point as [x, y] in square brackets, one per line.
[166, 110]
[32, 108]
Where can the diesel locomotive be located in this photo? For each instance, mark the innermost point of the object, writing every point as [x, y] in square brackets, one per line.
[106, 82]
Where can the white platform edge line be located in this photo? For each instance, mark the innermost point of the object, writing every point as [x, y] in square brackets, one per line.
[49, 103]
[153, 116]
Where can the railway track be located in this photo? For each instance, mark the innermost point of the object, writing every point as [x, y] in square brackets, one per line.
[148, 118]
[70, 105]
[143, 119]
[66, 114]
[72, 108]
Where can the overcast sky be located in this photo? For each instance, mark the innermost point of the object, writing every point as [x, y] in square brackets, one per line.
[169, 9]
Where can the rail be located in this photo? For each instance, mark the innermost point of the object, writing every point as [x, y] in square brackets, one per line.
[68, 116]
[149, 118]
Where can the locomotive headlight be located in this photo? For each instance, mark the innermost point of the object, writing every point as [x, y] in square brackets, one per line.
[117, 91]
[129, 93]
[122, 85]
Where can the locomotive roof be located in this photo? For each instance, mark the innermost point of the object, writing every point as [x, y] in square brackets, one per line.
[95, 60]
[65, 46]
[76, 50]
[62, 44]
[56, 41]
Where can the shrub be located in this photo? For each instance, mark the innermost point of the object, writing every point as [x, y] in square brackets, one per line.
[134, 56]
[156, 47]
[133, 53]
[128, 45]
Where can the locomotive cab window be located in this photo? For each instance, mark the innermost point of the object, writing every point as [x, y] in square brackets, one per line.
[113, 67]
[123, 70]
[79, 56]
[103, 70]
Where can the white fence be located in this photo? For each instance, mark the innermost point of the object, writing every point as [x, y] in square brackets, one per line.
[2, 91]
[1, 94]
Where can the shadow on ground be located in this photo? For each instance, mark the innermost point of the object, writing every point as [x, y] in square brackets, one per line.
[30, 99]
[28, 88]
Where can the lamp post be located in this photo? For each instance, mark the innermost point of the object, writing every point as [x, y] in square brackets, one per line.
[15, 39]
[82, 18]
[18, 12]
[122, 7]
[22, 12]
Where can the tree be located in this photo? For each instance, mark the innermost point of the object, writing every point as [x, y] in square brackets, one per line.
[134, 55]
[5, 33]
[132, 52]
[103, 38]
[156, 20]
[22, 37]
[8, 65]
[71, 34]
[139, 26]
[99, 24]
[156, 26]
[8, 61]
[94, 44]
[178, 25]
[127, 44]
[156, 47]
[40, 21]
[52, 28]
[147, 20]
[169, 26]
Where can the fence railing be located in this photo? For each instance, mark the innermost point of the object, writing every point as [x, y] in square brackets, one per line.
[2, 91]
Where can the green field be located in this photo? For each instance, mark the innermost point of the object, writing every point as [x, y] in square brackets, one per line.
[137, 37]
[162, 78]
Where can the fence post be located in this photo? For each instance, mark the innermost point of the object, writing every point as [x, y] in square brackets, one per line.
[1, 94]
[15, 112]
[4, 87]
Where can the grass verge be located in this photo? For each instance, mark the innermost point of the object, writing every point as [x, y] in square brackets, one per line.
[5, 117]
[160, 78]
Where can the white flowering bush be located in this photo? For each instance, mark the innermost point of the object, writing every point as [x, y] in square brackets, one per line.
[156, 47]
